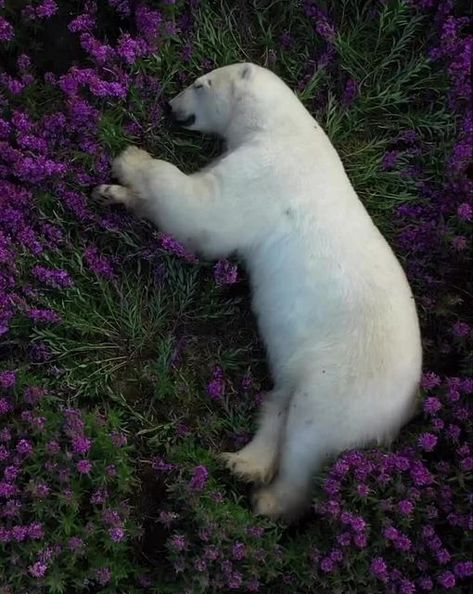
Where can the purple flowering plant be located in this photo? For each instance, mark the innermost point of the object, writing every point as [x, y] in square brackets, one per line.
[127, 363]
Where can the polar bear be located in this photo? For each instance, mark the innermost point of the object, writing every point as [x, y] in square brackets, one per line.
[333, 304]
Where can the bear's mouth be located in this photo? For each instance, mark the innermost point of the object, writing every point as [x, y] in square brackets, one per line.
[186, 121]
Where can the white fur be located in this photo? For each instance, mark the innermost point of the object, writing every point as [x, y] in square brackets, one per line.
[333, 305]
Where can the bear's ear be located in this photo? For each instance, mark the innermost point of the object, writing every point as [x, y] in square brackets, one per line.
[247, 71]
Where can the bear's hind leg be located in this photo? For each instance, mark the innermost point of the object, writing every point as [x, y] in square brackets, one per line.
[303, 449]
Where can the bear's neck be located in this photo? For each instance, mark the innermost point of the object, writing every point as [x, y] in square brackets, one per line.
[252, 121]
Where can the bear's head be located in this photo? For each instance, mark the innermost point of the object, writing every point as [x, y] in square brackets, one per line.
[230, 99]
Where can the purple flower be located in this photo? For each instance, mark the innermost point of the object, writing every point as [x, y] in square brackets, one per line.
[117, 534]
[216, 388]
[420, 474]
[5, 406]
[98, 263]
[461, 329]
[199, 478]
[46, 9]
[119, 439]
[36, 531]
[363, 490]
[130, 49]
[453, 432]
[100, 496]
[111, 470]
[172, 246]
[81, 444]
[53, 448]
[178, 542]
[84, 466]
[447, 580]
[9, 474]
[19, 533]
[432, 405]
[6, 30]
[33, 395]
[121, 6]
[360, 540]
[4, 453]
[405, 507]
[430, 380]
[84, 22]
[40, 490]
[351, 92]
[427, 442]
[76, 544]
[464, 569]
[7, 379]
[253, 585]
[426, 584]
[167, 518]
[44, 316]
[465, 212]
[332, 487]
[24, 447]
[103, 575]
[211, 553]
[255, 531]
[54, 278]
[327, 565]
[112, 517]
[287, 40]
[5, 434]
[443, 556]
[38, 569]
[225, 273]
[358, 524]
[187, 52]
[460, 243]
[402, 543]
[148, 22]
[200, 565]
[391, 533]
[239, 551]
[101, 53]
[344, 539]
[12, 509]
[235, 580]
[406, 587]
[336, 555]
[161, 465]
[390, 160]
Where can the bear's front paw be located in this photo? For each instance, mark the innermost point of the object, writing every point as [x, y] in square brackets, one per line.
[112, 194]
[127, 162]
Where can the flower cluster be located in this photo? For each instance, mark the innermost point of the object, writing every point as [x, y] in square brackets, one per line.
[52, 460]
[406, 487]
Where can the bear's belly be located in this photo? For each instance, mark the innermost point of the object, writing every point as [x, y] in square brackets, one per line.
[323, 311]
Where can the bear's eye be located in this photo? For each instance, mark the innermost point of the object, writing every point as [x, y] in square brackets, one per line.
[198, 86]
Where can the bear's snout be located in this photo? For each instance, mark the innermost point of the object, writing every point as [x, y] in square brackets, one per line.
[178, 116]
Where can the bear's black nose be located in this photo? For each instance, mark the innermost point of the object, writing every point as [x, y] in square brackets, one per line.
[167, 108]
